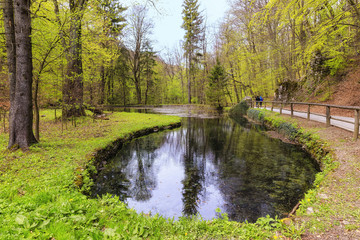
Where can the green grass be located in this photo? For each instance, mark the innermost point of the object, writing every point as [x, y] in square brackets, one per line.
[40, 197]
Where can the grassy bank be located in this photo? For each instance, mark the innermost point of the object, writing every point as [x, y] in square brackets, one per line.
[40, 196]
[329, 210]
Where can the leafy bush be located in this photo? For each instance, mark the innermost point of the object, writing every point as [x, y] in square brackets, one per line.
[239, 110]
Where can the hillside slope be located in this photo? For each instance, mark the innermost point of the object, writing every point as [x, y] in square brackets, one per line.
[346, 90]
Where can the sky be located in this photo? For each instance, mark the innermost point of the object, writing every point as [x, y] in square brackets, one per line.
[167, 19]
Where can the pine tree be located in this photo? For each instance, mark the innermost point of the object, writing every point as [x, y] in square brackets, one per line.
[73, 88]
[193, 25]
[148, 63]
[217, 86]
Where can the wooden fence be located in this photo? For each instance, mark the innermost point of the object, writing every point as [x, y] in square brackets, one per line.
[328, 107]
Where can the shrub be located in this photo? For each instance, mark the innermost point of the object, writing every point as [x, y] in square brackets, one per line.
[239, 110]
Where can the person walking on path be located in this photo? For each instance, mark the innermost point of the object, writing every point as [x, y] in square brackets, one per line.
[261, 100]
[257, 99]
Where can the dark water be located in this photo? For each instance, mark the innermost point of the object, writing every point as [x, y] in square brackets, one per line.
[208, 164]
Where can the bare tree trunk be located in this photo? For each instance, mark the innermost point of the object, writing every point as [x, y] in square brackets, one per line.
[21, 116]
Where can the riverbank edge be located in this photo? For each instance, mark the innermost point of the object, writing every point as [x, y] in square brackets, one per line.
[313, 144]
[98, 159]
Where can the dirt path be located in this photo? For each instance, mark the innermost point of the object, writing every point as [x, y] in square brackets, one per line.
[336, 212]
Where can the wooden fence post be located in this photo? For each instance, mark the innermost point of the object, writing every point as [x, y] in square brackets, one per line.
[356, 125]
[292, 109]
[272, 106]
[281, 106]
[308, 112]
[328, 116]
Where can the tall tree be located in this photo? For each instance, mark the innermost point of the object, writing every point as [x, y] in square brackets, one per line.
[217, 86]
[139, 30]
[112, 25]
[18, 40]
[193, 25]
[73, 88]
[148, 63]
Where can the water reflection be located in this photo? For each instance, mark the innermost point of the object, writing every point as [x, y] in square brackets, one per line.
[209, 164]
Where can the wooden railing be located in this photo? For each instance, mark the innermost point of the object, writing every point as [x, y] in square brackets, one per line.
[282, 105]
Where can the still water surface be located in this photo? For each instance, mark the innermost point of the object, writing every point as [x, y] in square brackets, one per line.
[209, 164]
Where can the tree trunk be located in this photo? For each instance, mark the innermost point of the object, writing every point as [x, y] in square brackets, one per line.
[21, 116]
[37, 110]
[8, 13]
[73, 89]
[137, 74]
[102, 85]
[123, 81]
[189, 79]
[138, 91]
[234, 82]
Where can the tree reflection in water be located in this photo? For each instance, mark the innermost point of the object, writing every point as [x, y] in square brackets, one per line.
[209, 164]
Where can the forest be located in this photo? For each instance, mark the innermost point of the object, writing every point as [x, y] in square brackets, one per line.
[87, 53]
[260, 46]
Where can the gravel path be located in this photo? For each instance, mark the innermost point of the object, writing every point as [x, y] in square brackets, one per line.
[337, 121]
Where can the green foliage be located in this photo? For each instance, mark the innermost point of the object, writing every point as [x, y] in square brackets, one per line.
[336, 64]
[278, 41]
[192, 24]
[256, 115]
[217, 86]
[239, 110]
